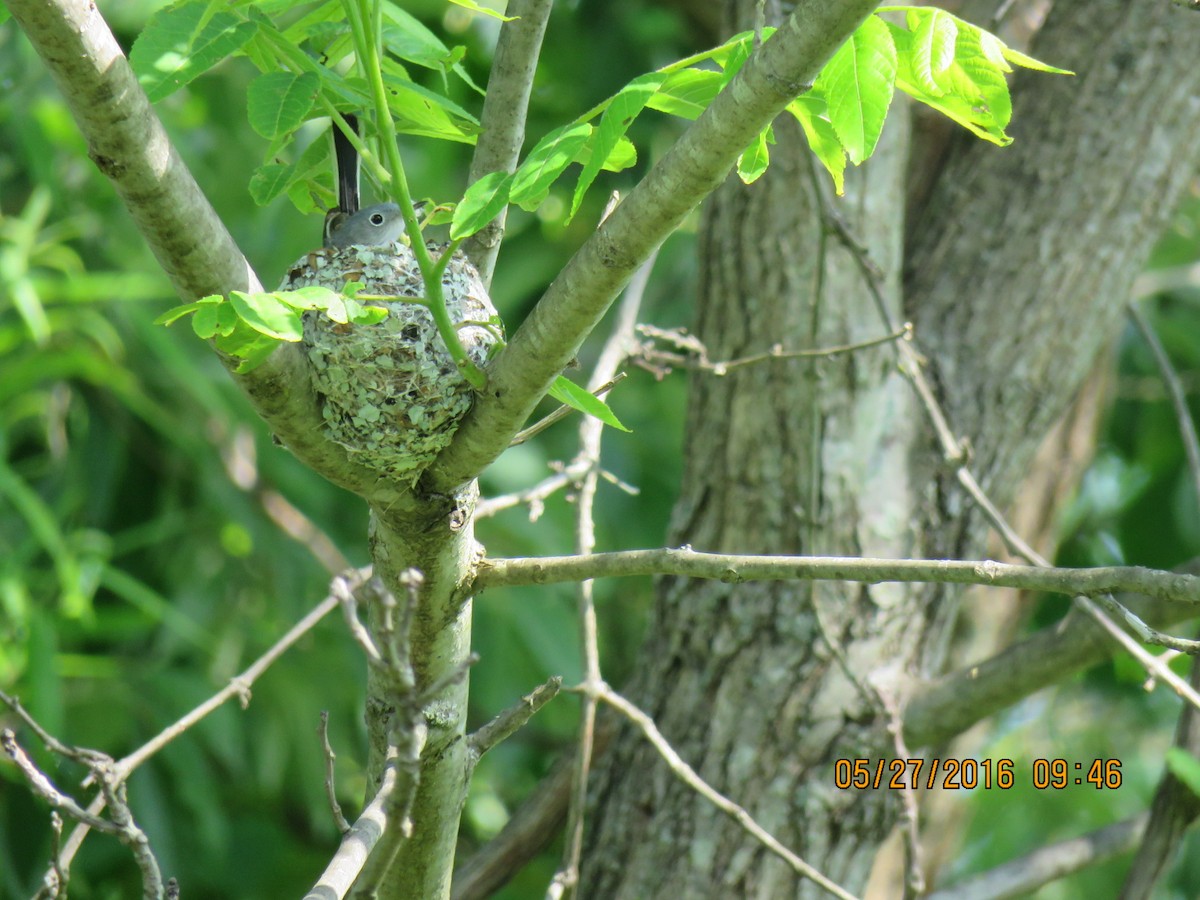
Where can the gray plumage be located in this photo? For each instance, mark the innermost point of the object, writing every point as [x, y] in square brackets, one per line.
[374, 226]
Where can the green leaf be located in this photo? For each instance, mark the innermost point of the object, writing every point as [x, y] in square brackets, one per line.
[480, 204]
[418, 110]
[858, 84]
[367, 315]
[487, 11]
[313, 296]
[254, 354]
[178, 312]
[974, 91]
[620, 114]
[269, 181]
[206, 323]
[932, 49]
[754, 159]
[409, 39]
[809, 110]
[620, 157]
[182, 41]
[991, 44]
[570, 394]
[1185, 767]
[278, 103]
[545, 163]
[688, 93]
[268, 315]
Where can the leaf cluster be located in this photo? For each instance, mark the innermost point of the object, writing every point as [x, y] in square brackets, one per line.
[249, 326]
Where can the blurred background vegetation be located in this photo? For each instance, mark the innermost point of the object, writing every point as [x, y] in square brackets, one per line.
[141, 566]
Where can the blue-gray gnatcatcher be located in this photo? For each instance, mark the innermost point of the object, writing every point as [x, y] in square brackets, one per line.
[373, 226]
[346, 224]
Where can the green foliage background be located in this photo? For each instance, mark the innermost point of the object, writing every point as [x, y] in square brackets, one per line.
[139, 570]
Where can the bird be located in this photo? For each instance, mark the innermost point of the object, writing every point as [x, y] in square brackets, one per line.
[374, 226]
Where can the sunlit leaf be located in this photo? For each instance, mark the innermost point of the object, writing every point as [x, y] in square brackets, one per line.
[269, 315]
[482, 202]
[182, 41]
[545, 163]
[809, 111]
[620, 114]
[570, 394]
[278, 103]
[754, 159]
[858, 84]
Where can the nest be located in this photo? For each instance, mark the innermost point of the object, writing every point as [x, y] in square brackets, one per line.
[390, 393]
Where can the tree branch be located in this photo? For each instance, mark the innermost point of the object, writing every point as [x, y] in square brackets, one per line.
[692, 779]
[503, 117]
[779, 71]
[689, 563]
[1046, 864]
[939, 709]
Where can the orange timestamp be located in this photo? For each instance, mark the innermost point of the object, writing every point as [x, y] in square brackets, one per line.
[969, 774]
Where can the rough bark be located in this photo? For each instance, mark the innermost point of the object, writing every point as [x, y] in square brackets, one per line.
[1015, 275]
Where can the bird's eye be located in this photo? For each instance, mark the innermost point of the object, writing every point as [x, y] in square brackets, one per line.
[376, 218]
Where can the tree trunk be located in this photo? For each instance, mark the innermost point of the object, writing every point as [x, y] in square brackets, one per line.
[1015, 276]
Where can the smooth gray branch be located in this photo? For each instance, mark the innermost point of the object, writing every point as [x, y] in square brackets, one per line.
[503, 118]
[779, 71]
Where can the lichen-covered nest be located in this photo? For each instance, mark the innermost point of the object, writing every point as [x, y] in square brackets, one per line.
[391, 393]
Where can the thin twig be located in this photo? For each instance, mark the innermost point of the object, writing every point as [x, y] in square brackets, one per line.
[1183, 416]
[512, 719]
[1023, 876]
[692, 779]
[330, 758]
[238, 686]
[121, 825]
[591, 431]
[955, 452]
[534, 496]
[356, 846]
[914, 881]
[692, 354]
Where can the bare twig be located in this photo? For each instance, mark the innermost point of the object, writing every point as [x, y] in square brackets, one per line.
[692, 779]
[238, 686]
[512, 719]
[1172, 812]
[533, 826]
[939, 709]
[43, 787]
[590, 433]
[534, 496]
[914, 882]
[735, 568]
[690, 353]
[356, 846]
[121, 826]
[955, 452]
[503, 117]
[330, 758]
[1183, 416]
